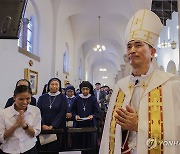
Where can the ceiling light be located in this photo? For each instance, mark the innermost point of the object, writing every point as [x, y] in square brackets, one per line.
[103, 69]
[99, 47]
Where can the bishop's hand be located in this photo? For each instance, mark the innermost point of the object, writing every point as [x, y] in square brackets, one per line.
[127, 118]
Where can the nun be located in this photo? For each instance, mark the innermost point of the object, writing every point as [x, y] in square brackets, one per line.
[53, 107]
[70, 95]
[85, 111]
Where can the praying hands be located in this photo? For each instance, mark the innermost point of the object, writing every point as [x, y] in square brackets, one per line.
[127, 119]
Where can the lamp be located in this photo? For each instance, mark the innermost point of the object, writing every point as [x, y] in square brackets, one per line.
[99, 47]
[164, 44]
[103, 69]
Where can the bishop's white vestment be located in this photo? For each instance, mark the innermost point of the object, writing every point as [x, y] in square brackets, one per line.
[167, 87]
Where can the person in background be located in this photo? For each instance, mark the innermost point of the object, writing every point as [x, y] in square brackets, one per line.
[106, 89]
[67, 84]
[70, 95]
[63, 90]
[85, 106]
[109, 96]
[77, 91]
[45, 89]
[99, 93]
[53, 107]
[20, 124]
[10, 101]
[101, 99]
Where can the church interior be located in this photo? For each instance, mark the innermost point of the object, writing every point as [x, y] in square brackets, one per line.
[65, 33]
[81, 40]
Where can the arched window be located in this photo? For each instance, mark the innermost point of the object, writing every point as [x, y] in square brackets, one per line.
[168, 34]
[26, 35]
[66, 60]
[80, 70]
[30, 36]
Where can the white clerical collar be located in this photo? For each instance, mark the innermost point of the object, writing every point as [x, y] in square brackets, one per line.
[82, 96]
[54, 94]
[70, 97]
[134, 79]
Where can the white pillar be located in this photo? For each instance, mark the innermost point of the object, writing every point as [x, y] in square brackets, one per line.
[116, 79]
[123, 70]
[119, 75]
[179, 31]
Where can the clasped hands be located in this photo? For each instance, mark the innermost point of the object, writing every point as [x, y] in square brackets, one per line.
[20, 122]
[127, 118]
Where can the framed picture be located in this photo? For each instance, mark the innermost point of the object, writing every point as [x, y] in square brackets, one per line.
[32, 77]
[66, 82]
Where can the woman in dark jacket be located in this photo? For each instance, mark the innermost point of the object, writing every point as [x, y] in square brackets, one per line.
[53, 107]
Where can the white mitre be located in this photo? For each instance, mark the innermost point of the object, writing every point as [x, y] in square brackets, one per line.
[145, 26]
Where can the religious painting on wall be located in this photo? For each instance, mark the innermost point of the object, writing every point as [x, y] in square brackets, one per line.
[66, 82]
[32, 77]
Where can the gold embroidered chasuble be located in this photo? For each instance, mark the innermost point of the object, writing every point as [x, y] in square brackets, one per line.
[148, 126]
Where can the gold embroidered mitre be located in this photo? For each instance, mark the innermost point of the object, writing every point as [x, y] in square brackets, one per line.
[145, 26]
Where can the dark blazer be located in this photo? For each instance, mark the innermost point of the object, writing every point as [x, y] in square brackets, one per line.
[10, 102]
[102, 95]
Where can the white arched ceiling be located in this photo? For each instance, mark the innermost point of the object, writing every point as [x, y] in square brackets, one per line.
[83, 17]
[86, 27]
[108, 64]
[111, 46]
[105, 58]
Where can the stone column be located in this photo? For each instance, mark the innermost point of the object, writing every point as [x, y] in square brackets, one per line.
[119, 75]
[116, 78]
[123, 70]
[178, 1]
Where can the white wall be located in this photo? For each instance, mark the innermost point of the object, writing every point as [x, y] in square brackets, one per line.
[12, 63]
[65, 35]
[79, 56]
[167, 54]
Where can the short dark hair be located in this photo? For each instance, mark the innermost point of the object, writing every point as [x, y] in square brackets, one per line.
[150, 46]
[29, 84]
[22, 89]
[98, 83]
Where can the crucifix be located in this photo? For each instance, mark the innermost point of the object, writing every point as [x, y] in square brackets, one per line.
[148, 36]
[133, 34]
[84, 108]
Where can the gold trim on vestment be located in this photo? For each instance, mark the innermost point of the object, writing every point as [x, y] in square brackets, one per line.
[119, 101]
[155, 117]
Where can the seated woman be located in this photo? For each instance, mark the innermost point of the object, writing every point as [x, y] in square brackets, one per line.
[20, 124]
[53, 106]
[25, 82]
[85, 110]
